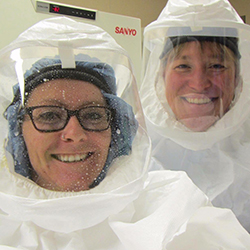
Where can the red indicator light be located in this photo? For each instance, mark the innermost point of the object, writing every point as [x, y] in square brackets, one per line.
[56, 9]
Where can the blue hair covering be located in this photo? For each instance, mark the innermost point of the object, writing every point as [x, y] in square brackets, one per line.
[123, 122]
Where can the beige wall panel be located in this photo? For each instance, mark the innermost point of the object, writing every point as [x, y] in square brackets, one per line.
[243, 8]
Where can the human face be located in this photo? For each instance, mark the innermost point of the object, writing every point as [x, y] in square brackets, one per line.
[200, 84]
[70, 159]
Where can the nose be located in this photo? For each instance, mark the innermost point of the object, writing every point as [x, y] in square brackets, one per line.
[73, 131]
[199, 80]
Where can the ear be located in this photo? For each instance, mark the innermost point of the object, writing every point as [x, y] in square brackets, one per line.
[238, 82]
[163, 74]
[238, 86]
[163, 69]
[238, 78]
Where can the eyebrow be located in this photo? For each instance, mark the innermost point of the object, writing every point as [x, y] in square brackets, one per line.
[62, 104]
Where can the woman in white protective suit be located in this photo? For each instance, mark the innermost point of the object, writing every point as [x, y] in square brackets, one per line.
[75, 154]
[195, 95]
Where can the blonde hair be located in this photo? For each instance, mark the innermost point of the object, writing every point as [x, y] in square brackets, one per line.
[218, 49]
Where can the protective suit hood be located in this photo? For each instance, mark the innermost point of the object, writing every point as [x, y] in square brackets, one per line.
[63, 41]
[196, 19]
[189, 11]
[216, 159]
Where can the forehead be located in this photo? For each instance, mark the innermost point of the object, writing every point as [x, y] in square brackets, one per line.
[196, 47]
[206, 48]
[66, 92]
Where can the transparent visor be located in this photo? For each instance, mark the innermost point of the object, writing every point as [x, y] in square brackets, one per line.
[197, 76]
[70, 118]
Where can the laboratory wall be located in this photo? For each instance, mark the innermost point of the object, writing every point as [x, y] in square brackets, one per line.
[243, 8]
[18, 15]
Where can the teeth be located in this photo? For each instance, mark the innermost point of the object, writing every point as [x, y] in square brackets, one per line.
[71, 158]
[198, 100]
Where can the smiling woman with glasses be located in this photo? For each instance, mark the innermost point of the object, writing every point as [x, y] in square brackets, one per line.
[72, 123]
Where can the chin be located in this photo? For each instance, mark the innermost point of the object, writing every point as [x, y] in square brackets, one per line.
[199, 124]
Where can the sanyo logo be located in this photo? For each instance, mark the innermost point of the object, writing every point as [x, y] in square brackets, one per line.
[125, 31]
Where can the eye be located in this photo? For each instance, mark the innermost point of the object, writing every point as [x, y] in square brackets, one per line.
[217, 66]
[47, 115]
[93, 116]
[182, 67]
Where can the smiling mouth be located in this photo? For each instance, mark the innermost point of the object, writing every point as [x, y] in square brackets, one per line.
[198, 101]
[72, 158]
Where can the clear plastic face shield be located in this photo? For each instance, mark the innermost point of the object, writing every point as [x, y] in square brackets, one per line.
[199, 76]
[195, 76]
[72, 115]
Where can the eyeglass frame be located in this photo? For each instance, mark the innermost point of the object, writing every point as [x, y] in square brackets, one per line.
[70, 113]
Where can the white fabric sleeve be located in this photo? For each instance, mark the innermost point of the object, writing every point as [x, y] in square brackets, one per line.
[211, 228]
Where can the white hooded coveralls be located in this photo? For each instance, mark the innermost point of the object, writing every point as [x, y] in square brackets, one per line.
[129, 209]
[217, 160]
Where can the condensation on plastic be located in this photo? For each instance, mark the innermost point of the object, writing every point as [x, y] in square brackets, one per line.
[115, 214]
[66, 38]
[204, 18]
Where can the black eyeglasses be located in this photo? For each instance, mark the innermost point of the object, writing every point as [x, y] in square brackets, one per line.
[53, 118]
